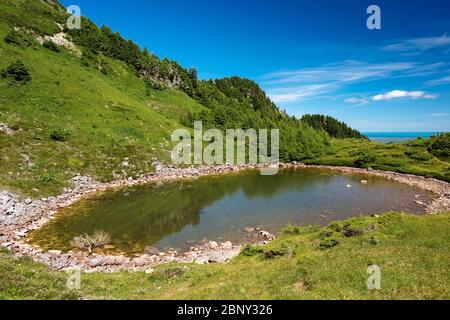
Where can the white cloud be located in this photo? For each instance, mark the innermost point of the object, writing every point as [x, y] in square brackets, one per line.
[398, 94]
[421, 44]
[354, 100]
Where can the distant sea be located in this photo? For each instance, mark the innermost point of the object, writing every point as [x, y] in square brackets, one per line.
[390, 137]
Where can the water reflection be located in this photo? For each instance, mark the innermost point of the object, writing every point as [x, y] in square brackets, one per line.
[215, 208]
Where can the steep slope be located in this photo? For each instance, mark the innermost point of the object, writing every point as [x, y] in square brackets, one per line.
[72, 118]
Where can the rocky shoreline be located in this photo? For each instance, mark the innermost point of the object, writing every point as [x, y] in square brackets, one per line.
[19, 217]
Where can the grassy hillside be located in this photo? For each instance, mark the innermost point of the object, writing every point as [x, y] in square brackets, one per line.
[303, 263]
[422, 157]
[103, 119]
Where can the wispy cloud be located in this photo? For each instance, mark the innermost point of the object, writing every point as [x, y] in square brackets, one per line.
[347, 71]
[292, 94]
[355, 100]
[439, 114]
[420, 44]
[399, 94]
[307, 83]
[440, 81]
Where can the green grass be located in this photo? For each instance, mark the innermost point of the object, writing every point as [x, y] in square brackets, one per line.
[412, 252]
[408, 157]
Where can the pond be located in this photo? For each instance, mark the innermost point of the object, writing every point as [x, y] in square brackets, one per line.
[181, 213]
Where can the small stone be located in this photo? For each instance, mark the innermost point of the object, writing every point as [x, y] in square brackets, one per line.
[248, 229]
[213, 244]
[151, 251]
[55, 252]
[217, 257]
[364, 182]
[150, 271]
[96, 262]
[349, 186]
[265, 234]
[227, 245]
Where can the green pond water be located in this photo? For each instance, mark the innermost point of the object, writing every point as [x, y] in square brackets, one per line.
[182, 213]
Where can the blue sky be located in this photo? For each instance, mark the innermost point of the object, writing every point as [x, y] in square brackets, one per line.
[309, 56]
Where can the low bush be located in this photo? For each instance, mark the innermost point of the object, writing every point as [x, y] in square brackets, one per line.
[173, 272]
[21, 39]
[89, 242]
[418, 155]
[59, 135]
[17, 73]
[51, 46]
[250, 250]
[440, 145]
[366, 157]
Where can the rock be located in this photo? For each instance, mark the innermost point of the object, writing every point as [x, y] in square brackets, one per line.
[97, 262]
[55, 252]
[265, 234]
[150, 271]
[227, 245]
[213, 244]
[248, 229]
[28, 201]
[151, 251]
[217, 257]
[364, 182]
[420, 203]
[349, 186]
[140, 262]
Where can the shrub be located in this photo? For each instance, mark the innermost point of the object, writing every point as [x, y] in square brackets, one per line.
[418, 155]
[366, 157]
[50, 45]
[291, 229]
[21, 39]
[251, 250]
[89, 242]
[155, 84]
[59, 135]
[174, 272]
[440, 145]
[279, 250]
[329, 241]
[17, 73]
